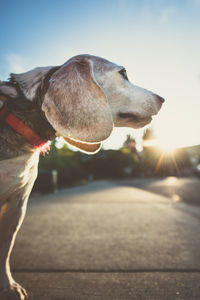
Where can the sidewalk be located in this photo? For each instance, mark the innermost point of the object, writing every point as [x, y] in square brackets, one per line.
[109, 242]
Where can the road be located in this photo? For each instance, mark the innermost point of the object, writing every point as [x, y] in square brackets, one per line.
[109, 241]
[178, 189]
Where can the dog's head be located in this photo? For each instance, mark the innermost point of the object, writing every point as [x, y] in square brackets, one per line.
[89, 95]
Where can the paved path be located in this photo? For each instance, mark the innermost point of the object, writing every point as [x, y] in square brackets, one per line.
[178, 189]
[109, 242]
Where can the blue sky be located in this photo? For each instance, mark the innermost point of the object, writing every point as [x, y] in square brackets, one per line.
[157, 41]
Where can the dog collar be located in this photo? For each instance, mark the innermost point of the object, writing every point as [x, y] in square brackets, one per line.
[25, 131]
[15, 123]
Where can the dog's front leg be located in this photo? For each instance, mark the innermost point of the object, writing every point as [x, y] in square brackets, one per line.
[17, 177]
[12, 213]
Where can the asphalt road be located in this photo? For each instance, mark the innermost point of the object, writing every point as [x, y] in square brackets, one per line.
[109, 241]
[178, 189]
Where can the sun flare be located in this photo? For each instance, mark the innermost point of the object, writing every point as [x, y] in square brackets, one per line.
[165, 146]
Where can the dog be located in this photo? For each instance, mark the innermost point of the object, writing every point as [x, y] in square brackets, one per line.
[81, 101]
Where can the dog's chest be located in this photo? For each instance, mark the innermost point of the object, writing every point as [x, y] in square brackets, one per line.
[18, 173]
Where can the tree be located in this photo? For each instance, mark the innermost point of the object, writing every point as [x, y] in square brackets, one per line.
[148, 134]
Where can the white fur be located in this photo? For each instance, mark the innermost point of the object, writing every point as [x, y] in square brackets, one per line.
[8, 90]
[91, 114]
[30, 81]
[17, 177]
[120, 95]
[124, 97]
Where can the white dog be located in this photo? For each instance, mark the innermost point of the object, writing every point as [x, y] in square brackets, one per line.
[81, 100]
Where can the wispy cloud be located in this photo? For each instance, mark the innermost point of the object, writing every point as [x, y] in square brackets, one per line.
[13, 63]
[167, 14]
[16, 63]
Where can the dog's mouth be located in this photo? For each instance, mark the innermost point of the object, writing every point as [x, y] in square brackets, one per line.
[83, 146]
[135, 119]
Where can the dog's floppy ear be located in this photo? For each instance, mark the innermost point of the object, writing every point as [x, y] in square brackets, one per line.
[76, 106]
[30, 81]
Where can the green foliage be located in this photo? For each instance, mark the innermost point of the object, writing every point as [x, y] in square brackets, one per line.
[156, 162]
[66, 162]
[149, 160]
[148, 134]
[111, 164]
[76, 167]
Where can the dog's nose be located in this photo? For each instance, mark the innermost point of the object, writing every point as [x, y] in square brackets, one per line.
[160, 99]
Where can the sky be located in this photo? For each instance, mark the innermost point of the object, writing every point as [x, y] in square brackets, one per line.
[157, 41]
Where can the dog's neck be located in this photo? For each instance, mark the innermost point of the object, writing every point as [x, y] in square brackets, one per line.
[13, 144]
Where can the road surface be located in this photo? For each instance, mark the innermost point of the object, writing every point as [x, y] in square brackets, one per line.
[109, 241]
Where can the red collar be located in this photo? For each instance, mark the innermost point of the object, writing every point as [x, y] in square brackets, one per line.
[22, 129]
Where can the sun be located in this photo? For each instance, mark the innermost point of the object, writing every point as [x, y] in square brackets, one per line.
[166, 147]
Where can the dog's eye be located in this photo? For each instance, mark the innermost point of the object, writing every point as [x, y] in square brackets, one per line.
[123, 73]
